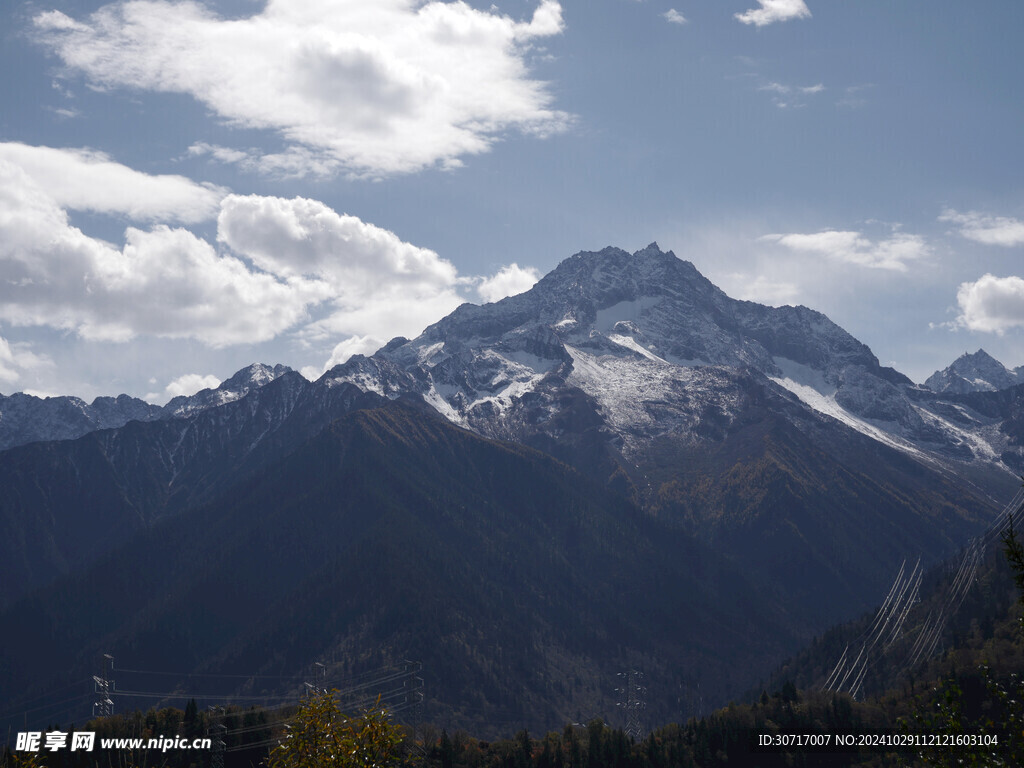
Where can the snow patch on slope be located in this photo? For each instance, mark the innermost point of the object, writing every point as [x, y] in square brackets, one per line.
[811, 387]
[630, 343]
[643, 398]
[980, 447]
[606, 319]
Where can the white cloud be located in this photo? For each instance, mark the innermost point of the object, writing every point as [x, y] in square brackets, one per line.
[763, 290]
[17, 359]
[283, 266]
[380, 285]
[790, 95]
[376, 88]
[772, 11]
[163, 282]
[223, 154]
[85, 180]
[191, 383]
[990, 230]
[354, 345]
[854, 248]
[507, 281]
[674, 17]
[382, 317]
[992, 304]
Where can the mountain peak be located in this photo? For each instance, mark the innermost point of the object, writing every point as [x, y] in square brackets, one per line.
[233, 388]
[973, 372]
[612, 275]
[253, 376]
[981, 357]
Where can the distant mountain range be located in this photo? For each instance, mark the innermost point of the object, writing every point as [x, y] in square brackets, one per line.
[620, 467]
[28, 419]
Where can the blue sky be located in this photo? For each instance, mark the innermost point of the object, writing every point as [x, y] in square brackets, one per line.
[189, 187]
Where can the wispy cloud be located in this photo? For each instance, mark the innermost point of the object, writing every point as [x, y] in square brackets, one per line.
[86, 180]
[790, 95]
[17, 359]
[854, 96]
[674, 17]
[763, 289]
[847, 247]
[352, 87]
[991, 304]
[772, 11]
[983, 228]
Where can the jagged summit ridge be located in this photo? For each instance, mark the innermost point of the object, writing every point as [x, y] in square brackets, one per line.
[977, 372]
[593, 298]
[641, 346]
[646, 345]
[612, 350]
[27, 418]
[233, 388]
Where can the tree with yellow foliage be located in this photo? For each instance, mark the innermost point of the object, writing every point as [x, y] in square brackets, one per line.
[321, 735]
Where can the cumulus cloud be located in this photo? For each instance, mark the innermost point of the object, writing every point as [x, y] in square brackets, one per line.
[376, 88]
[279, 266]
[164, 282]
[854, 248]
[191, 383]
[674, 17]
[17, 359]
[379, 284]
[990, 230]
[772, 11]
[991, 304]
[86, 180]
[507, 281]
[354, 345]
[188, 384]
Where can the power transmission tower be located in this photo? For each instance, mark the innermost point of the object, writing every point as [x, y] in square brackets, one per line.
[218, 744]
[319, 677]
[413, 685]
[104, 686]
[218, 738]
[632, 698]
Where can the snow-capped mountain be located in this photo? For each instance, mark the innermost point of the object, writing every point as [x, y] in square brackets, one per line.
[724, 415]
[237, 386]
[641, 346]
[27, 418]
[769, 438]
[720, 414]
[978, 372]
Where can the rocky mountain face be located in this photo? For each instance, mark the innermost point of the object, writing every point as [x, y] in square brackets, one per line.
[978, 372]
[642, 345]
[67, 503]
[767, 437]
[637, 370]
[522, 587]
[28, 419]
[640, 372]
